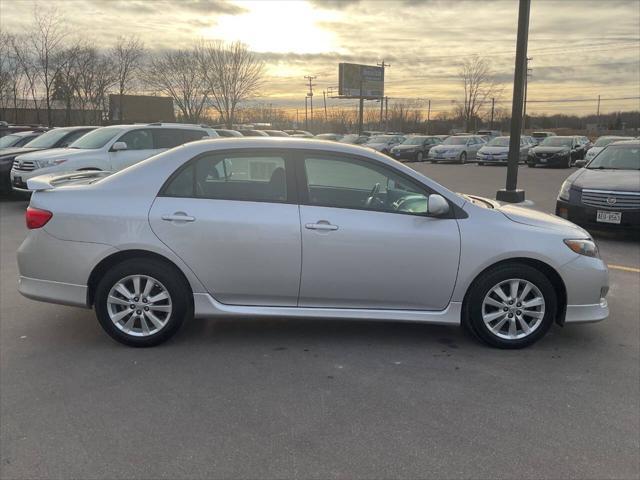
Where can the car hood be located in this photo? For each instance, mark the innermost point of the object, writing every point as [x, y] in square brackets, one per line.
[55, 153]
[615, 180]
[377, 146]
[406, 147]
[528, 216]
[12, 152]
[494, 150]
[550, 149]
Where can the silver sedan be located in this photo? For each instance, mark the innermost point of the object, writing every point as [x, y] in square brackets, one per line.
[266, 227]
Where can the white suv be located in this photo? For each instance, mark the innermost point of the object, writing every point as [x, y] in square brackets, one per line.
[109, 148]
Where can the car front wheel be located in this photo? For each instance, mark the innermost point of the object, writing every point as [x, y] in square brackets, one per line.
[510, 306]
[463, 158]
[142, 303]
[419, 157]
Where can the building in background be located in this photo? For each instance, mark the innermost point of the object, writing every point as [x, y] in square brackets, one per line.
[140, 108]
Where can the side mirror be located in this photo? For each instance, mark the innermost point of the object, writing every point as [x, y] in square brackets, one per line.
[116, 147]
[580, 163]
[437, 205]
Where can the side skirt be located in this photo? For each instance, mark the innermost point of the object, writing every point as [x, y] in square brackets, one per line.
[206, 306]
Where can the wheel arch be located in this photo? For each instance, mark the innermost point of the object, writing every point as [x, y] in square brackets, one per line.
[547, 270]
[118, 257]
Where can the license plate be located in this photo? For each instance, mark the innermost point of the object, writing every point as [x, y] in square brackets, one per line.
[17, 180]
[397, 154]
[609, 217]
[543, 160]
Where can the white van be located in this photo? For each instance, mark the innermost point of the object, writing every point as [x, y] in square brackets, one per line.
[108, 148]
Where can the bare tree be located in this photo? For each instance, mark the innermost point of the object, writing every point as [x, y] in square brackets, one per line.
[127, 56]
[28, 81]
[479, 87]
[95, 76]
[46, 45]
[233, 75]
[177, 73]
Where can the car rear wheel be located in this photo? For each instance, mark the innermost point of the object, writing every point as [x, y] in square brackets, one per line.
[419, 157]
[463, 158]
[510, 306]
[142, 303]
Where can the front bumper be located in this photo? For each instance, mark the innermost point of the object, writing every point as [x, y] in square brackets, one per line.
[445, 157]
[554, 160]
[19, 177]
[404, 155]
[587, 216]
[492, 159]
[586, 281]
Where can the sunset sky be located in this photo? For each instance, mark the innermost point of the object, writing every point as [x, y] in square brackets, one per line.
[580, 48]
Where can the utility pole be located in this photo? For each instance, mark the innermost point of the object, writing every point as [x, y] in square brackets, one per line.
[383, 65]
[493, 107]
[324, 96]
[297, 119]
[598, 115]
[526, 88]
[310, 94]
[429, 117]
[306, 117]
[386, 114]
[361, 104]
[511, 193]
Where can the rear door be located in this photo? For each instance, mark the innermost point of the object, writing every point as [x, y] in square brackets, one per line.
[233, 218]
[366, 240]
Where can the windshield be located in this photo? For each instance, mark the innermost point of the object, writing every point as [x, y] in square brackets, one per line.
[380, 139]
[539, 135]
[557, 142]
[617, 157]
[499, 142]
[604, 141]
[49, 139]
[456, 141]
[9, 140]
[96, 139]
[414, 141]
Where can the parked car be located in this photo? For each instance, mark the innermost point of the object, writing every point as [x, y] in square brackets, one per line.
[107, 148]
[8, 129]
[345, 238]
[602, 142]
[457, 148]
[334, 137]
[559, 151]
[497, 151]
[354, 139]
[56, 138]
[383, 143]
[415, 148]
[299, 133]
[538, 137]
[18, 139]
[276, 133]
[247, 132]
[223, 132]
[607, 191]
[489, 133]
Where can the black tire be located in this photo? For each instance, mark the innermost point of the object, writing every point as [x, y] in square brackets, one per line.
[463, 158]
[481, 164]
[472, 309]
[433, 161]
[172, 280]
[531, 165]
[419, 157]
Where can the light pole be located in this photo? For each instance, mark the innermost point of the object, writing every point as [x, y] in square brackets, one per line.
[511, 193]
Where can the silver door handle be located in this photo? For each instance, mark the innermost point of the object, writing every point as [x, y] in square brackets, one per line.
[321, 226]
[178, 217]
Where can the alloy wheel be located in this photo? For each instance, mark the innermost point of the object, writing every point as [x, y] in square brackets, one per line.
[513, 309]
[139, 305]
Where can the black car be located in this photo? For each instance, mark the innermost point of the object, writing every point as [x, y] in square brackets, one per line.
[557, 151]
[56, 138]
[607, 191]
[415, 148]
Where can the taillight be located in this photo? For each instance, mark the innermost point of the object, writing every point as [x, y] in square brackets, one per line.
[37, 218]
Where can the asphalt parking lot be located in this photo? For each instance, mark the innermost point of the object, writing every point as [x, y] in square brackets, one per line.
[322, 399]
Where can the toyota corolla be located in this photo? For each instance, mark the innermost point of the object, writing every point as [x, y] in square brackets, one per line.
[268, 227]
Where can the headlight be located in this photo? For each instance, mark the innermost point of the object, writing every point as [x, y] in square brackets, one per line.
[51, 162]
[564, 190]
[583, 246]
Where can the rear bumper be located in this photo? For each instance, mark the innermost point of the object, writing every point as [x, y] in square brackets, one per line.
[53, 292]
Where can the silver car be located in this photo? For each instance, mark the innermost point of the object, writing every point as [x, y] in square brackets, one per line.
[265, 227]
[457, 148]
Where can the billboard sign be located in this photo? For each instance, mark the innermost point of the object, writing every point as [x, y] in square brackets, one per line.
[360, 80]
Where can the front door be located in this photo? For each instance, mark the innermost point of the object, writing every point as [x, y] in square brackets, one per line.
[367, 241]
[139, 147]
[233, 219]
